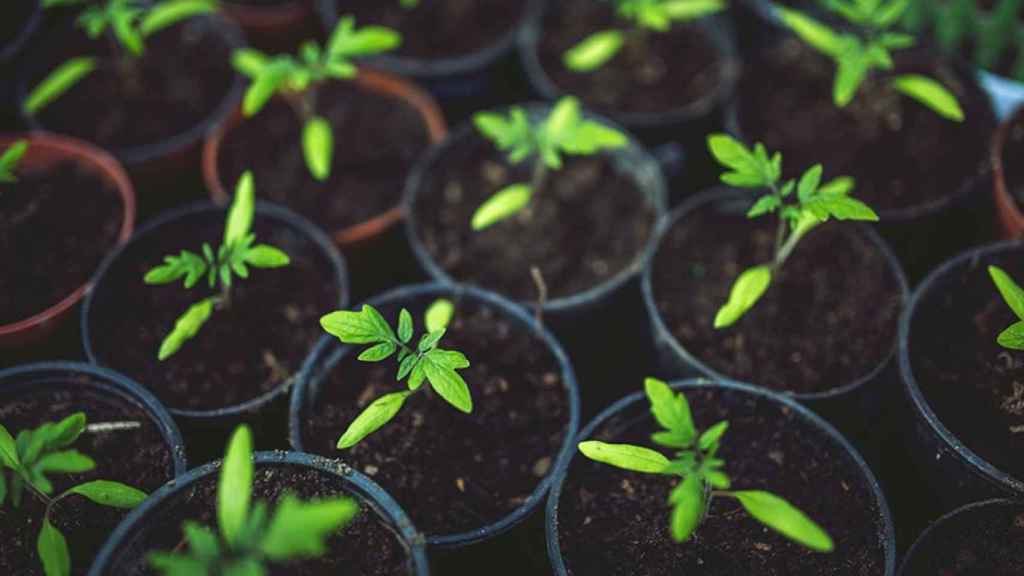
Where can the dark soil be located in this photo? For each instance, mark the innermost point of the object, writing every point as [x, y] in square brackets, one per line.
[1013, 152]
[438, 29]
[616, 523]
[367, 547]
[55, 228]
[16, 16]
[901, 153]
[378, 138]
[589, 222]
[836, 301]
[454, 472]
[183, 77]
[137, 457]
[984, 540]
[654, 72]
[975, 386]
[250, 348]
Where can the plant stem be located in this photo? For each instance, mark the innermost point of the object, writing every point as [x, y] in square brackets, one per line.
[540, 175]
[102, 427]
[542, 293]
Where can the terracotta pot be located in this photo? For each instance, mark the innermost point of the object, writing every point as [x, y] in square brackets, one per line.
[1011, 220]
[44, 151]
[272, 25]
[374, 81]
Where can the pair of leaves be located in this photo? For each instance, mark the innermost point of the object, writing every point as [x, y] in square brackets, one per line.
[41, 451]
[749, 168]
[1012, 337]
[10, 158]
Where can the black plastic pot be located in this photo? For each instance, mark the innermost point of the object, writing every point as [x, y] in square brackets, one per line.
[635, 407]
[330, 352]
[8, 53]
[961, 524]
[127, 543]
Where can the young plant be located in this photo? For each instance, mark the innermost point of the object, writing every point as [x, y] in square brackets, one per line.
[298, 79]
[409, 4]
[47, 450]
[643, 17]
[236, 253]
[1013, 337]
[248, 536]
[564, 131]
[126, 24]
[697, 463]
[9, 160]
[858, 55]
[812, 204]
[424, 362]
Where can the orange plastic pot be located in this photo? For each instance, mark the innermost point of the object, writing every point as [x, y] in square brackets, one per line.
[275, 26]
[369, 79]
[1011, 220]
[45, 151]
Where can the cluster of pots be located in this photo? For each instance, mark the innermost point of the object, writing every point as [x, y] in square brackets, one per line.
[848, 387]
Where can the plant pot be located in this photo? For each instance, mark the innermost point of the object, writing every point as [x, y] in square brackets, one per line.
[1005, 142]
[1007, 94]
[837, 300]
[512, 438]
[260, 342]
[771, 444]
[15, 34]
[275, 25]
[90, 166]
[382, 527]
[980, 538]
[955, 373]
[145, 457]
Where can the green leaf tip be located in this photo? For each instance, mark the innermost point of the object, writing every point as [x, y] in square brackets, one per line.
[746, 291]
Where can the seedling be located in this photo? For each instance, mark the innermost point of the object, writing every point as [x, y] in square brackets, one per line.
[409, 4]
[1013, 337]
[813, 204]
[438, 315]
[425, 362]
[127, 24]
[47, 450]
[236, 253]
[859, 55]
[643, 17]
[697, 462]
[564, 131]
[248, 536]
[298, 79]
[9, 160]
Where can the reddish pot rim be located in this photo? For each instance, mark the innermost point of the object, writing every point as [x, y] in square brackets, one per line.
[57, 148]
[374, 81]
[1010, 217]
[268, 17]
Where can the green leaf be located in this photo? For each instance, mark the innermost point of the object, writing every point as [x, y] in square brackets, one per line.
[718, 479]
[58, 82]
[249, 62]
[591, 137]
[173, 565]
[67, 462]
[346, 41]
[107, 493]
[168, 13]
[1012, 293]
[594, 51]
[809, 182]
[12, 155]
[355, 327]
[764, 205]
[188, 265]
[686, 10]
[838, 205]
[299, 529]
[234, 487]
[439, 315]
[245, 567]
[3, 489]
[563, 120]
[502, 205]
[450, 358]
[889, 13]
[671, 410]
[841, 186]
[1012, 337]
[8, 450]
[186, 327]
[270, 78]
[123, 24]
[852, 69]
[930, 93]
[378, 352]
[814, 33]
[626, 456]
[376, 415]
[447, 383]
[712, 435]
[201, 540]
[318, 147]
[405, 327]
[687, 500]
[896, 41]
[242, 211]
[429, 340]
[266, 256]
[405, 366]
[783, 517]
[53, 551]
[747, 290]
[417, 375]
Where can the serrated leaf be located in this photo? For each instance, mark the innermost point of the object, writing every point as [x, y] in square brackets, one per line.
[379, 352]
[450, 358]
[108, 493]
[318, 147]
[670, 410]
[852, 69]
[429, 340]
[814, 33]
[363, 327]
[63, 78]
[417, 376]
[764, 205]
[53, 551]
[626, 456]
[687, 500]
[266, 256]
[840, 186]
[448, 384]
[234, 485]
[201, 540]
[300, 529]
[809, 182]
[405, 326]
[930, 93]
[783, 517]
[563, 119]
[746, 291]
[405, 366]
[593, 51]
[438, 315]
[376, 415]
[712, 435]
[242, 211]
[186, 327]
[592, 137]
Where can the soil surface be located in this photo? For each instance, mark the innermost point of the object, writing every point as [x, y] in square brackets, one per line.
[367, 547]
[901, 153]
[55, 228]
[836, 300]
[616, 523]
[1013, 152]
[377, 139]
[985, 540]
[975, 386]
[139, 458]
[587, 224]
[249, 348]
[646, 76]
[450, 471]
[16, 16]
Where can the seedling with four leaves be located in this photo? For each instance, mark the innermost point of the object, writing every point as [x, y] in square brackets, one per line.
[1011, 338]
[701, 469]
[25, 462]
[644, 17]
[127, 24]
[859, 55]
[563, 131]
[233, 258]
[800, 206]
[9, 161]
[298, 79]
[249, 536]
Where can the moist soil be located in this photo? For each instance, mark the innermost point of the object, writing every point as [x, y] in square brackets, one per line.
[975, 386]
[454, 472]
[243, 351]
[646, 76]
[836, 300]
[367, 547]
[985, 540]
[139, 458]
[438, 29]
[588, 223]
[55, 228]
[378, 138]
[16, 16]
[1013, 152]
[180, 81]
[901, 153]
[612, 522]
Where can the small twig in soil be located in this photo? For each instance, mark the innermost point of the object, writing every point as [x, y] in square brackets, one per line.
[542, 293]
[104, 427]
